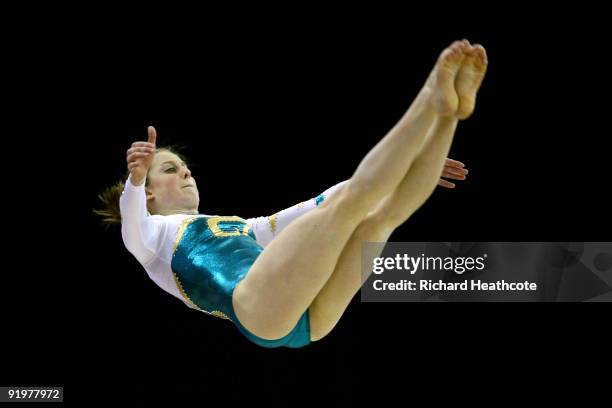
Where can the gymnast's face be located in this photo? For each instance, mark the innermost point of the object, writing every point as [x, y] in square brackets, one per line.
[170, 188]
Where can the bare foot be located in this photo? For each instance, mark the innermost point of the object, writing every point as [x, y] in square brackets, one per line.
[441, 82]
[469, 79]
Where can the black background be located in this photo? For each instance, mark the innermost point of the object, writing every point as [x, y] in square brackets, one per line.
[275, 108]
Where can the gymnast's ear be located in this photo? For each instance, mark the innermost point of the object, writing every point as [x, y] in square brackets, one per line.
[150, 195]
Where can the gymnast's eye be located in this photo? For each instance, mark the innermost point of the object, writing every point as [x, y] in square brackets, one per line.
[170, 170]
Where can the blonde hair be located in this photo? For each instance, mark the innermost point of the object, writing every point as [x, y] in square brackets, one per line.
[110, 211]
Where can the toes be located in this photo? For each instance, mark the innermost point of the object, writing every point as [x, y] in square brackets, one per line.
[480, 55]
[455, 51]
[476, 57]
[458, 46]
[453, 55]
[447, 57]
[479, 49]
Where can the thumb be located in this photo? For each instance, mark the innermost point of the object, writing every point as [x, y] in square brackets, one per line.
[152, 134]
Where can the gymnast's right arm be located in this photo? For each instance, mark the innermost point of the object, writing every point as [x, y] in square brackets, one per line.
[140, 231]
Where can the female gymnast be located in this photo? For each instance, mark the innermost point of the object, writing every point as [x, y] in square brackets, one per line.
[285, 280]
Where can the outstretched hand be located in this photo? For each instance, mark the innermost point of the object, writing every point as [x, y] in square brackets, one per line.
[454, 170]
[140, 156]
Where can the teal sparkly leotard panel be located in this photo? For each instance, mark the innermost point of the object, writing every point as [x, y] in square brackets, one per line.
[213, 254]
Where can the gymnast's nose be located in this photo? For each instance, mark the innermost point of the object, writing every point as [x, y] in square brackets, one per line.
[186, 173]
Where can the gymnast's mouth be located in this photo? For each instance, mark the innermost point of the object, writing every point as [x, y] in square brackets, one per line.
[188, 185]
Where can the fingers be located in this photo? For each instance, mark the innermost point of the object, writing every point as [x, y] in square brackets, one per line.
[453, 176]
[455, 171]
[140, 149]
[152, 135]
[143, 144]
[454, 163]
[447, 184]
[140, 152]
[136, 156]
[151, 141]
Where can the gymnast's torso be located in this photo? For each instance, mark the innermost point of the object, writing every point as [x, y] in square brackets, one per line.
[200, 259]
[211, 255]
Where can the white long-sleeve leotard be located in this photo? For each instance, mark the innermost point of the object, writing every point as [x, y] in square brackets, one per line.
[151, 238]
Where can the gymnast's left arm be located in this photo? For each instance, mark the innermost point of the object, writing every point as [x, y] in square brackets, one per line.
[266, 228]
